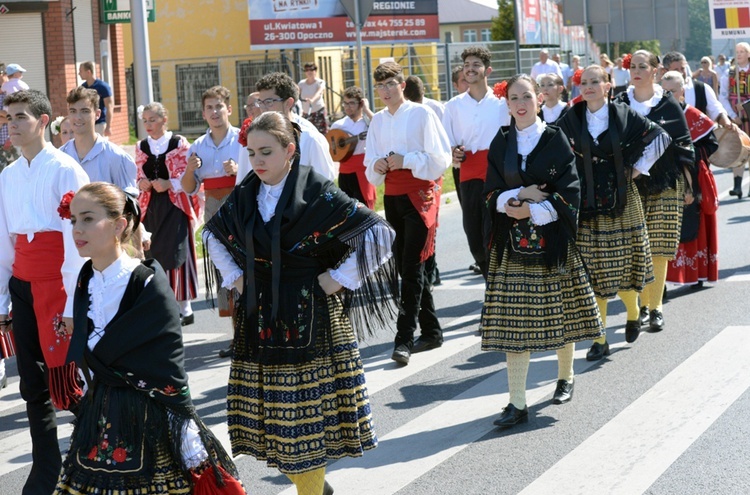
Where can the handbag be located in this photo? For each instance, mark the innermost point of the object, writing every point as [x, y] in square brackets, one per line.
[205, 483]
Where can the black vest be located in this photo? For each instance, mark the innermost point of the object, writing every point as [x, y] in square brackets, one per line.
[701, 102]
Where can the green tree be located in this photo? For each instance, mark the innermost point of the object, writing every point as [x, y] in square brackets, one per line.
[698, 44]
[503, 27]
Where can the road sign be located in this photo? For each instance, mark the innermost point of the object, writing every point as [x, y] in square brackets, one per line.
[365, 7]
[118, 11]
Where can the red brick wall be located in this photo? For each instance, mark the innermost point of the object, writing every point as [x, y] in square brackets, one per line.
[59, 49]
[120, 128]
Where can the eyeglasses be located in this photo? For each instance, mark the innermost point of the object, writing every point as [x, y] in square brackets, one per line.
[350, 103]
[267, 102]
[389, 85]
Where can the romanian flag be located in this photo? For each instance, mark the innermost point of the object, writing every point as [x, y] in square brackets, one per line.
[732, 18]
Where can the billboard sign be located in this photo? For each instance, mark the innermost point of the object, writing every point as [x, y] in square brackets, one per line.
[311, 23]
[118, 11]
[729, 18]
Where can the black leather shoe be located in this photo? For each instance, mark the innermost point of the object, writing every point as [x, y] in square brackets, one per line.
[512, 416]
[597, 351]
[632, 329]
[643, 315]
[657, 321]
[228, 352]
[474, 268]
[563, 392]
[187, 320]
[401, 354]
[327, 489]
[737, 191]
[425, 345]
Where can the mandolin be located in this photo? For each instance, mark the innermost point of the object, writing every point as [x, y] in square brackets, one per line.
[342, 143]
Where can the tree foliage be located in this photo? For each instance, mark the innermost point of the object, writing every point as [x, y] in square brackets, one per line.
[698, 44]
[503, 25]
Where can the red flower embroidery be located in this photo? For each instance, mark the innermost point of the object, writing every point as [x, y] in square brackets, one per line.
[577, 77]
[524, 242]
[501, 89]
[64, 209]
[120, 454]
[105, 444]
[92, 453]
[242, 138]
[541, 242]
[169, 390]
[626, 61]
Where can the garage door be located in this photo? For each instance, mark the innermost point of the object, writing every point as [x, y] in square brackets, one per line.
[23, 44]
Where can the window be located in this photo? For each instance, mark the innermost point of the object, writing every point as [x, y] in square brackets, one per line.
[486, 34]
[470, 36]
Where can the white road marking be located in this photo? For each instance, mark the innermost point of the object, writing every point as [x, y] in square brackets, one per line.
[639, 447]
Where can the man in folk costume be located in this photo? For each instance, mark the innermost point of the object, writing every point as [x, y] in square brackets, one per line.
[407, 148]
[213, 161]
[735, 91]
[39, 266]
[352, 178]
[471, 121]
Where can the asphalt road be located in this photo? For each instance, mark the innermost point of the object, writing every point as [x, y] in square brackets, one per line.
[667, 414]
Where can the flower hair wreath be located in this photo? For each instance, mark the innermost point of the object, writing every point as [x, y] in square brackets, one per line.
[54, 127]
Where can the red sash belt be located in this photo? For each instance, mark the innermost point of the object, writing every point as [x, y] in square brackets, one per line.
[424, 196]
[39, 262]
[356, 165]
[219, 182]
[475, 166]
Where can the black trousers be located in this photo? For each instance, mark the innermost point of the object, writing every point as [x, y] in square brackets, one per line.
[417, 305]
[34, 386]
[350, 185]
[457, 182]
[477, 222]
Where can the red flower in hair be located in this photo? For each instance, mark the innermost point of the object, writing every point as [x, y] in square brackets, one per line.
[64, 209]
[577, 77]
[242, 139]
[501, 89]
[626, 61]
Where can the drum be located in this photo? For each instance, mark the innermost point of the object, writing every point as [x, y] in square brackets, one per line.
[734, 149]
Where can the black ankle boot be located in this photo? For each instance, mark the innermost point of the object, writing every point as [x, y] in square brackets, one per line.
[737, 191]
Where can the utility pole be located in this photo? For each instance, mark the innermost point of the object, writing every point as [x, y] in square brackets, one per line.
[144, 92]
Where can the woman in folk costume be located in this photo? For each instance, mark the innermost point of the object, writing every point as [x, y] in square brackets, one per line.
[663, 190]
[613, 144]
[553, 90]
[290, 242]
[697, 257]
[137, 430]
[167, 212]
[538, 295]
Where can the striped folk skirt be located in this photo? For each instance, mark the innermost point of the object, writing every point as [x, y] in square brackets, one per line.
[616, 249]
[530, 307]
[297, 417]
[664, 219]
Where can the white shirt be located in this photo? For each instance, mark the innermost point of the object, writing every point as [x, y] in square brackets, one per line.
[552, 114]
[550, 67]
[353, 128]
[105, 162]
[713, 107]
[435, 106]
[644, 107]
[473, 124]
[106, 290]
[30, 194]
[722, 69]
[598, 122]
[347, 274]
[724, 84]
[527, 139]
[307, 90]
[12, 85]
[414, 132]
[621, 76]
[566, 72]
[213, 157]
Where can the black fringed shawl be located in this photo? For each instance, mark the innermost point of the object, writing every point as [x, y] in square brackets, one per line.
[138, 401]
[551, 163]
[678, 157]
[605, 166]
[315, 227]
